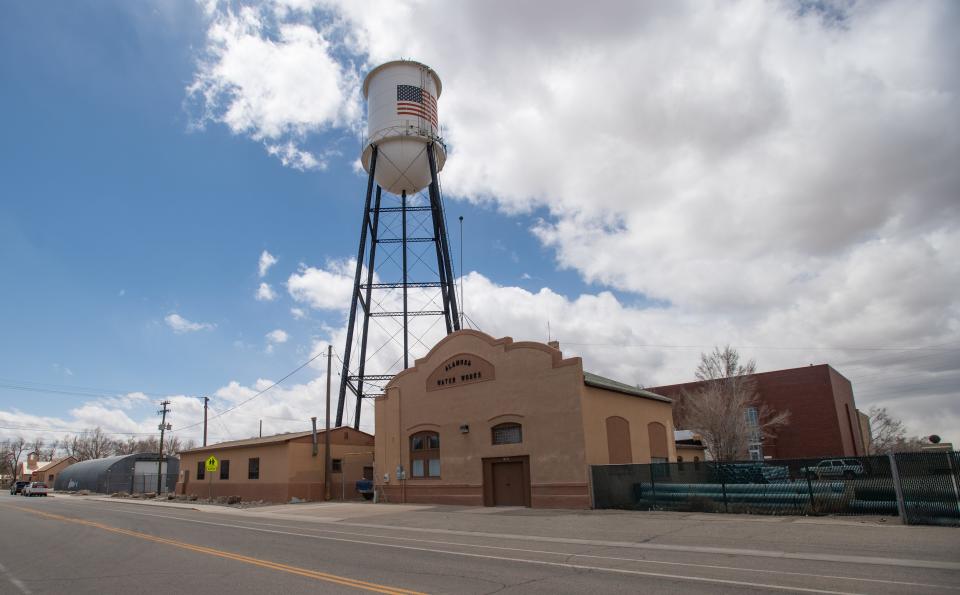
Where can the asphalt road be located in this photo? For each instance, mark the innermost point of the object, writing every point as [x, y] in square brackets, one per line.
[72, 545]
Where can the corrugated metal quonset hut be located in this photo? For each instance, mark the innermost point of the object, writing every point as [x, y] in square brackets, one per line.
[402, 120]
[136, 473]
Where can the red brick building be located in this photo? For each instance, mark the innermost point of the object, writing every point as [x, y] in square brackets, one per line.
[824, 420]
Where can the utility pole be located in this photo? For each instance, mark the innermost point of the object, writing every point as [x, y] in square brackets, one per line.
[164, 426]
[261, 428]
[205, 401]
[462, 273]
[327, 462]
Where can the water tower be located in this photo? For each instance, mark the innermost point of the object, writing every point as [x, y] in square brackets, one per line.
[404, 277]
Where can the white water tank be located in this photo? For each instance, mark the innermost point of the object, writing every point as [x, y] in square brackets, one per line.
[401, 121]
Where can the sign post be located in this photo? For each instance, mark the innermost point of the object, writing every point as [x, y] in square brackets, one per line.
[212, 465]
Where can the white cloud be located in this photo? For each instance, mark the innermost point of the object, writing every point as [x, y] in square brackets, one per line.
[265, 293]
[787, 180]
[277, 336]
[62, 370]
[282, 409]
[641, 345]
[661, 345]
[267, 260]
[323, 288]
[292, 156]
[298, 313]
[181, 325]
[274, 81]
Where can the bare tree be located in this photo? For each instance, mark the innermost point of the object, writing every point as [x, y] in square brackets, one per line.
[37, 446]
[15, 451]
[90, 444]
[125, 447]
[7, 466]
[172, 446]
[889, 434]
[150, 444]
[722, 408]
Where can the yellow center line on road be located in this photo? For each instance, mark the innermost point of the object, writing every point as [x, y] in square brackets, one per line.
[322, 576]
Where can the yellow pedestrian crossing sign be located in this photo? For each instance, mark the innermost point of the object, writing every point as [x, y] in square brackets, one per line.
[212, 463]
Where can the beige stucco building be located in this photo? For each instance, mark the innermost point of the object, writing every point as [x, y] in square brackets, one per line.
[484, 421]
[279, 468]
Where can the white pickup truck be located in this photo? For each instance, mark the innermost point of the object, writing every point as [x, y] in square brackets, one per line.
[35, 488]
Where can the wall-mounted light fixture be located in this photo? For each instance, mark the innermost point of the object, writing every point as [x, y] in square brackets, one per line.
[464, 428]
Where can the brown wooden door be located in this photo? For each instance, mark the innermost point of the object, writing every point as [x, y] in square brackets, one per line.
[508, 485]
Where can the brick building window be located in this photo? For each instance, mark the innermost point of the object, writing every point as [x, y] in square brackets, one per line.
[201, 470]
[425, 455]
[253, 468]
[224, 469]
[508, 433]
[755, 437]
[336, 465]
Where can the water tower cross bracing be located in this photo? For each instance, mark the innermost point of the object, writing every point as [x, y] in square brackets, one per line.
[404, 281]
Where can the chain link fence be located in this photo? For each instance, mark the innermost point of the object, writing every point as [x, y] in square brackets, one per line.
[921, 486]
[131, 483]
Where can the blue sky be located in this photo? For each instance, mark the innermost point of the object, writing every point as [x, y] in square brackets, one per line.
[117, 213]
[125, 198]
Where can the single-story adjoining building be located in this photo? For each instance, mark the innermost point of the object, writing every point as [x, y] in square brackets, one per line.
[48, 472]
[484, 421]
[690, 447]
[25, 469]
[279, 468]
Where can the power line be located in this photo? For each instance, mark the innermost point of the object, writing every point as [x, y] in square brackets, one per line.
[63, 431]
[62, 392]
[16, 384]
[244, 402]
[762, 347]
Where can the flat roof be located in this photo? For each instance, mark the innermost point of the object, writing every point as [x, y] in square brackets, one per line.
[598, 381]
[769, 373]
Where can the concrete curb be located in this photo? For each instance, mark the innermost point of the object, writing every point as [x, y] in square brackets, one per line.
[141, 503]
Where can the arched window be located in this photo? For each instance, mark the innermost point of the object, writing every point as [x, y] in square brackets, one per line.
[619, 448]
[679, 463]
[507, 433]
[425, 454]
[659, 451]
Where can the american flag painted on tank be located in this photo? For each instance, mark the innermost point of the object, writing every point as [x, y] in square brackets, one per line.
[414, 101]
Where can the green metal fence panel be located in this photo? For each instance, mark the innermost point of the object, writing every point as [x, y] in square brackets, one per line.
[835, 485]
[928, 482]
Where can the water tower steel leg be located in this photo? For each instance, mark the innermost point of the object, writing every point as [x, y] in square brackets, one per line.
[441, 269]
[366, 302]
[444, 244]
[345, 376]
[406, 327]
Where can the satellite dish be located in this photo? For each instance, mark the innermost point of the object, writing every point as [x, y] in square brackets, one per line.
[934, 439]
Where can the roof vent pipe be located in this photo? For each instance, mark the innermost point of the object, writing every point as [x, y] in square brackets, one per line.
[313, 420]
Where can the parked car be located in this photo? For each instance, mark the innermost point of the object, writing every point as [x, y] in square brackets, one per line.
[833, 468]
[36, 488]
[17, 486]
